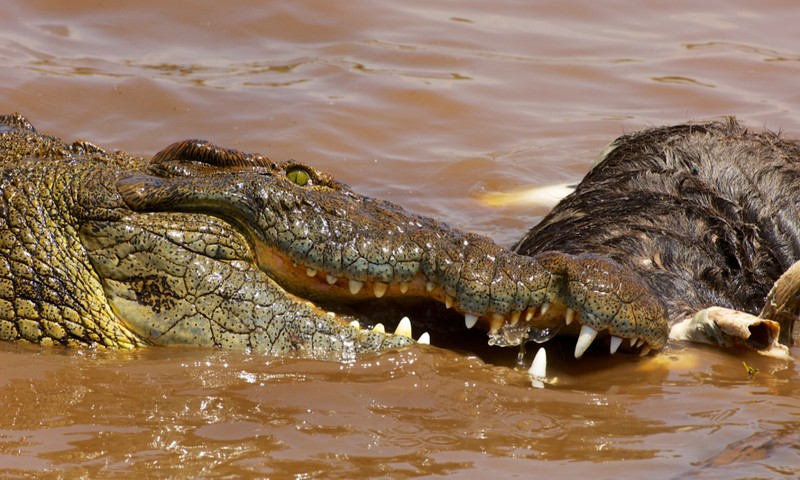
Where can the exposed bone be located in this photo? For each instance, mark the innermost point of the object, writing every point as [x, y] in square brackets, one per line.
[783, 303]
[731, 328]
[544, 196]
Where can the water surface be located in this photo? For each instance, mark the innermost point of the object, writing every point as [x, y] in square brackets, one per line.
[430, 106]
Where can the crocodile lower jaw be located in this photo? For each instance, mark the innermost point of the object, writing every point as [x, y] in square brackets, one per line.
[506, 330]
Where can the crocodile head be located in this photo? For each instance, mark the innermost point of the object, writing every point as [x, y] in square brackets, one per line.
[210, 246]
[354, 257]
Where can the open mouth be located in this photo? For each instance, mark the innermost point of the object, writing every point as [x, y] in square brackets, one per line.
[368, 261]
[426, 305]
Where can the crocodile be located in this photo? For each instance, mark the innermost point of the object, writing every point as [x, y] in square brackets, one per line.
[209, 246]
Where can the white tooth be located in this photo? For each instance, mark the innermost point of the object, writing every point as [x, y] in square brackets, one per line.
[584, 340]
[403, 328]
[379, 289]
[545, 308]
[515, 317]
[470, 320]
[429, 286]
[644, 351]
[355, 286]
[403, 287]
[355, 324]
[569, 316]
[331, 279]
[615, 343]
[640, 342]
[539, 365]
[424, 339]
[448, 301]
[379, 328]
[331, 314]
[633, 341]
[528, 315]
[311, 272]
[496, 322]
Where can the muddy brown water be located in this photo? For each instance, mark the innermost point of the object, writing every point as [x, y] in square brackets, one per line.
[430, 105]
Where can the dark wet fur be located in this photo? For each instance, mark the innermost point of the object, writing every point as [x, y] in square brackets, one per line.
[707, 214]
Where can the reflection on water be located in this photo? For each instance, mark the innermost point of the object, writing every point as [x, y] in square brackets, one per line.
[401, 414]
[435, 107]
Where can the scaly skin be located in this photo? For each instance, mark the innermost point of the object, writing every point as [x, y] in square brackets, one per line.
[209, 246]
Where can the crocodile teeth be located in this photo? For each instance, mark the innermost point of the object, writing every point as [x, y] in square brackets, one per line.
[470, 320]
[429, 286]
[355, 286]
[496, 322]
[545, 308]
[515, 318]
[569, 316]
[403, 287]
[615, 343]
[379, 288]
[539, 366]
[644, 351]
[528, 315]
[448, 301]
[424, 339]
[311, 272]
[355, 324]
[633, 341]
[584, 340]
[379, 328]
[331, 279]
[538, 370]
[403, 328]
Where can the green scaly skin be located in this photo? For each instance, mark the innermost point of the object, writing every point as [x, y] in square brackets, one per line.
[213, 247]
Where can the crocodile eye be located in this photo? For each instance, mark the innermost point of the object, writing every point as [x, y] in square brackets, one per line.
[298, 176]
